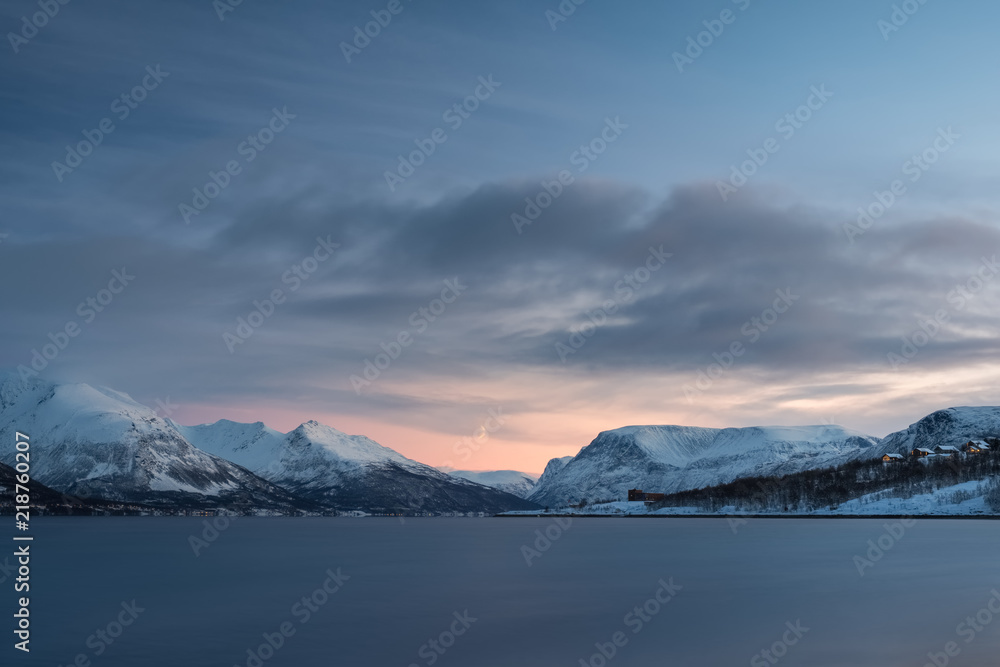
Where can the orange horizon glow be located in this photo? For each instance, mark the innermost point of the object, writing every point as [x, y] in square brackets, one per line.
[528, 440]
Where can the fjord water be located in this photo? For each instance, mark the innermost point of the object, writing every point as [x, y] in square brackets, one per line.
[742, 587]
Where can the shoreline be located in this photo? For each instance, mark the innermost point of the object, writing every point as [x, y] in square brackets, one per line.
[543, 515]
[962, 517]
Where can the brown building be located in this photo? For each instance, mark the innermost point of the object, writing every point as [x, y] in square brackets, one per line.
[635, 495]
[975, 447]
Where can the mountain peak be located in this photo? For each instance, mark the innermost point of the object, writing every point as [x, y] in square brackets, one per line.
[673, 458]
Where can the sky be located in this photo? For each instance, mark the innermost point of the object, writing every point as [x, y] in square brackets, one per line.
[481, 234]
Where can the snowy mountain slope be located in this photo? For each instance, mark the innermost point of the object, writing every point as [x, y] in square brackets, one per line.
[965, 499]
[513, 482]
[552, 468]
[665, 459]
[954, 426]
[347, 471]
[39, 493]
[96, 442]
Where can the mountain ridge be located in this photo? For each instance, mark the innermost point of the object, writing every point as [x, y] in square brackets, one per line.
[672, 458]
[95, 442]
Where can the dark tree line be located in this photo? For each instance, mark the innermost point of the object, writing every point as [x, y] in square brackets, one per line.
[830, 487]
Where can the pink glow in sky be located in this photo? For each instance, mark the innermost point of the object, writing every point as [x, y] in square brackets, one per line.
[527, 440]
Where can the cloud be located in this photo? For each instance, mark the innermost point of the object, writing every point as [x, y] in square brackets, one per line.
[525, 294]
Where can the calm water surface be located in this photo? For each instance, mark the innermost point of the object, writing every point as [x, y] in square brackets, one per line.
[409, 582]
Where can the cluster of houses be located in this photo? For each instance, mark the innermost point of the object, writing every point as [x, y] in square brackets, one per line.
[971, 447]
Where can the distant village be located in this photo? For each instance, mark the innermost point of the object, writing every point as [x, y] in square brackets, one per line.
[972, 447]
[969, 449]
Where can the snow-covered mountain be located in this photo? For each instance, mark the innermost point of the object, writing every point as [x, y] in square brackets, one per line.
[954, 426]
[552, 468]
[665, 459]
[39, 494]
[327, 466]
[516, 483]
[96, 442]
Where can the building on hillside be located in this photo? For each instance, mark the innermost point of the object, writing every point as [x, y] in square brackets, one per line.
[921, 452]
[975, 447]
[637, 495]
[946, 450]
[889, 458]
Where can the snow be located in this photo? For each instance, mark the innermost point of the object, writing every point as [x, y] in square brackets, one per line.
[164, 483]
[938, 503]
[252, 446]
[356, 448]
[311, 453]
[935, 503]
[666, 459]
[952, 427]
[552, 468]
[103, 442]
[97, 441]
[517, 483]
[319, 462]
[103, 470]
